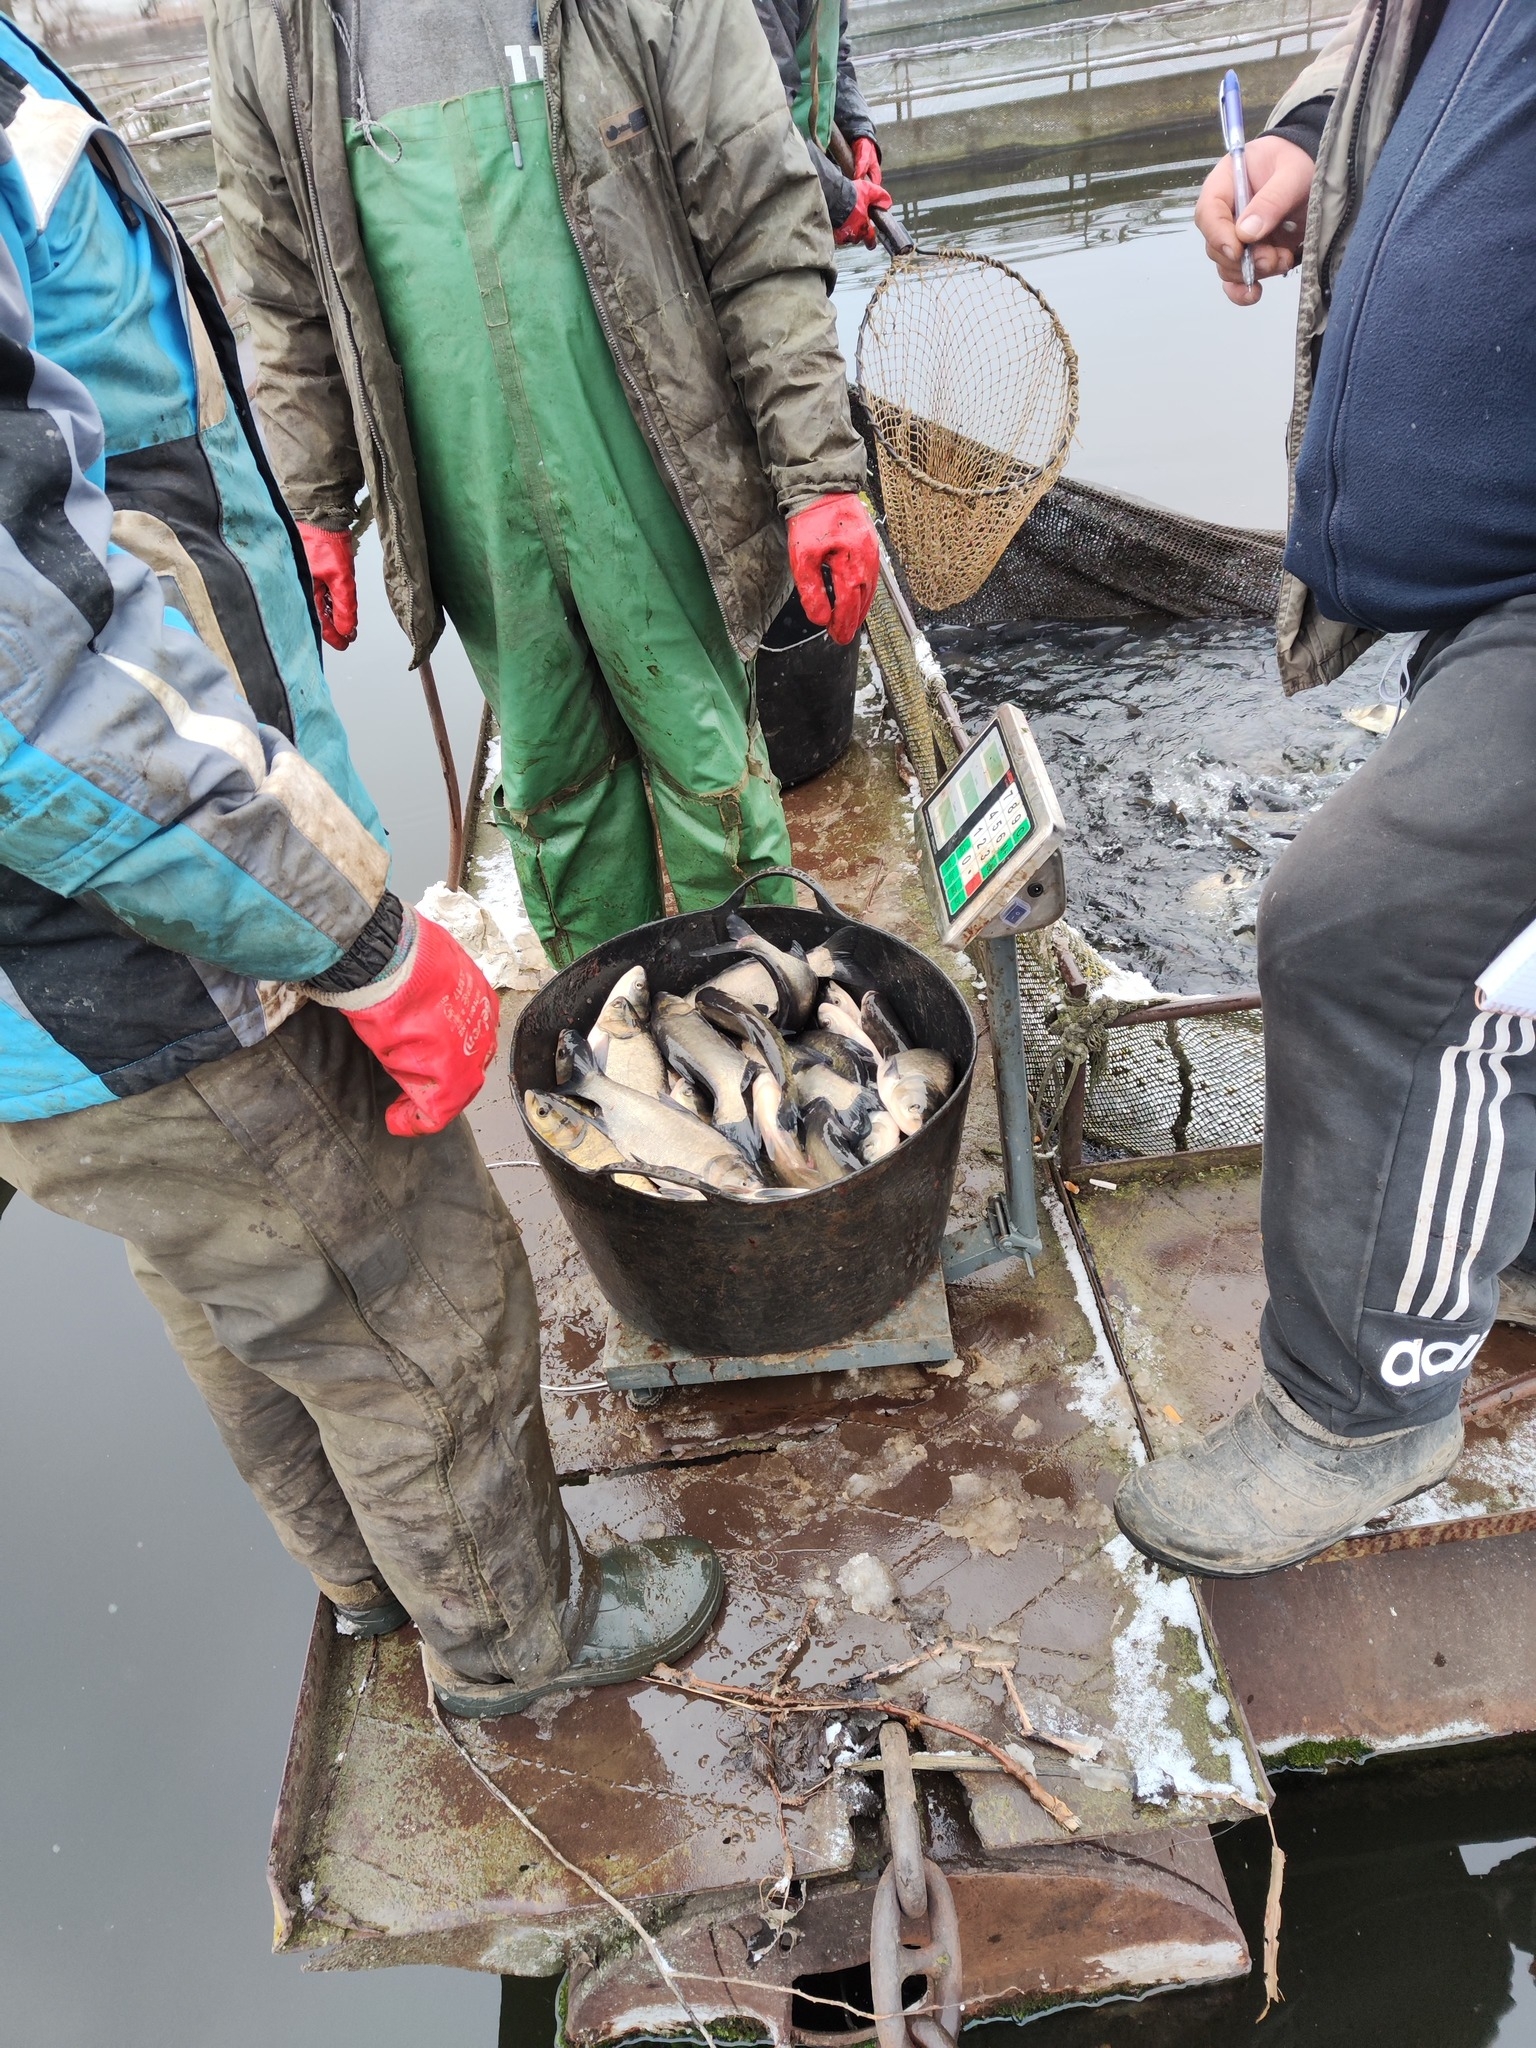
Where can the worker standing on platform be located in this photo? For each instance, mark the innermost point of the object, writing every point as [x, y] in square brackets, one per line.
[1400, 1128]
[222, 1038]
[555, 286]
[809, 41]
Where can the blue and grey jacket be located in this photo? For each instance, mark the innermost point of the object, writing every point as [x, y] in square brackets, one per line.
[183, 838]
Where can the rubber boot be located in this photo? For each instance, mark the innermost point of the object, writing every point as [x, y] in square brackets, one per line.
[1270, 1487]
[653, 1602]
[367, 1609]
[1517, 1297]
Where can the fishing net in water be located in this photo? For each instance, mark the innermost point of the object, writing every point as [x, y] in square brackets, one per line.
[1187, 1085]
[969, 382]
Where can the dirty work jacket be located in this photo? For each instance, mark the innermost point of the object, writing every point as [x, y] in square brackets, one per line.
[820, 85]
[173, 855]
[705, 242]
[1365, 70]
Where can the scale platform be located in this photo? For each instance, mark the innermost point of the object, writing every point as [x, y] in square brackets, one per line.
[915, 1332]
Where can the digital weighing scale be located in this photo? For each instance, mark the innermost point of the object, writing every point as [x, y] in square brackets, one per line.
[989, 846]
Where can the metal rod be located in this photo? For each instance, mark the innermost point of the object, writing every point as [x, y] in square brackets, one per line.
[450, 771]
[1074, 1119]
[1190, 1006]
[1007, 1023]
[476, 785]
[1521, 1388]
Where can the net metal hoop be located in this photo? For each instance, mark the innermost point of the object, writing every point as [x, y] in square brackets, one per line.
[969, 381]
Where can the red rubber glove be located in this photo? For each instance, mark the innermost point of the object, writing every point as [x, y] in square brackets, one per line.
[866, 158]
[835, 537]
[431, 1024]
[330, 565]
[858, 227]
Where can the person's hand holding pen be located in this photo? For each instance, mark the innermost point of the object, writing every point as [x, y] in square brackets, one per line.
[1250, 238]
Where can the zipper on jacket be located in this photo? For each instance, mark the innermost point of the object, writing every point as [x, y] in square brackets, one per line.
[680, 496]
[1351, 158]
[324, 246]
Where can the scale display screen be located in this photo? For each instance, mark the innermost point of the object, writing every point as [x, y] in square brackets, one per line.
[976, 820]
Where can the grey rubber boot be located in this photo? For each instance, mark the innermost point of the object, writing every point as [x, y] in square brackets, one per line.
[654, 1601]
[366, 1609]
[1270, 1486]
[1517, 1297]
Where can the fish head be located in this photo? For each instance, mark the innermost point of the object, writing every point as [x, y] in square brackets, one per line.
[634, 988]
[560, 1124]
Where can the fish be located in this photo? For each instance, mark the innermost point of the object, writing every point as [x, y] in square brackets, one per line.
[685, 1092]
[778, 1127]
[748, 1024]
[812, 1082]
[755, 982]
[792, 969]
[840, 999]
[633, 1058]
[653, 1130]
[835, 960]
[828, 1145]
[841, 1054]
[880, 1025]
[634, 988]
[833, 1018]
[581, 1139]
[697, 1050]
[913, 1085]
[884, 1137]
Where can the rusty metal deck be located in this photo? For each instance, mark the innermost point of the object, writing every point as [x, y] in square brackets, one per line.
[1418, 1629]
[954, 1520]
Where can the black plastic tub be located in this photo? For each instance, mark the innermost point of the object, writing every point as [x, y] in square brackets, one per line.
[806, 685]
[727, 1278]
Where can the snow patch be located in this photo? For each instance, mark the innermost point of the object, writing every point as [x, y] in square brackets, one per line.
[1101, 1394]
[1158, 1752]
[869, 1585]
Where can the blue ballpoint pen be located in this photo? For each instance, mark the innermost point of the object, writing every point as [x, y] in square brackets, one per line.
[1231, 104]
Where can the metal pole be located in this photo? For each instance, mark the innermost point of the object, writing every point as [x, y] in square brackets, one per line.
[1002, 970]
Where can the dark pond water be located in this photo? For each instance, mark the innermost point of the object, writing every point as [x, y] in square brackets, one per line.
[155, 1631]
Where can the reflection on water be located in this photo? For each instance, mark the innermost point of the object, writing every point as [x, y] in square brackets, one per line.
[156, 1630]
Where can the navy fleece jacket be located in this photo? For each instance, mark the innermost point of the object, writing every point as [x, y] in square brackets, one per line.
[1416, 484]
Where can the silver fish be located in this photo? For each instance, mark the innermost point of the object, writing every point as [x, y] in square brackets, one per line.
[748, 1024]
[779, 1129]
[634, 1058]
[880, 1025]
[812, 1082]
[913, 1085]
[828, 1145]
[841, 1054]
[652, 1129]
[696, 1049]
[755, 983]
[792, 968]
[832, 1017]
[838, 996]
[633, 988]
[687, 1095]
[884, 1137]
[569, 1130]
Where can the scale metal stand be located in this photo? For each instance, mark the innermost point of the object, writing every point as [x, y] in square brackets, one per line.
[990, 844]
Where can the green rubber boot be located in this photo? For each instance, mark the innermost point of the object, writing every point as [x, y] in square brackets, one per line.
[654, 1602]
[1270, 1487]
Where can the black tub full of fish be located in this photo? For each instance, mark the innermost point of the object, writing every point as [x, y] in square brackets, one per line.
[750, 1120]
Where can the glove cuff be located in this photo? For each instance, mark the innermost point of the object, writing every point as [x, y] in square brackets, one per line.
[395, 975]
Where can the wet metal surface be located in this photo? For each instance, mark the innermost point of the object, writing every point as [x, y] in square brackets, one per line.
[1178, 1254]
[954, 1521]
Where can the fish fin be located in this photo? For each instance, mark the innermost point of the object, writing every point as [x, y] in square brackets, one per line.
[737, 927]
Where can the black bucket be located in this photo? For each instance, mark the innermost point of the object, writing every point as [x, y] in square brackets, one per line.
[728, 1278]
[805, 690]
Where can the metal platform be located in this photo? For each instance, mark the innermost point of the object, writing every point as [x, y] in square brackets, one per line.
[915, 1332]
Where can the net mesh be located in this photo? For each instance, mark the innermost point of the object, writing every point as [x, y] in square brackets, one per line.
[970, 386]
[1182, 1086]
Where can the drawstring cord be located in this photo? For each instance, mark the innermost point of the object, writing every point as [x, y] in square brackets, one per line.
[372, 129]
[498, 51]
